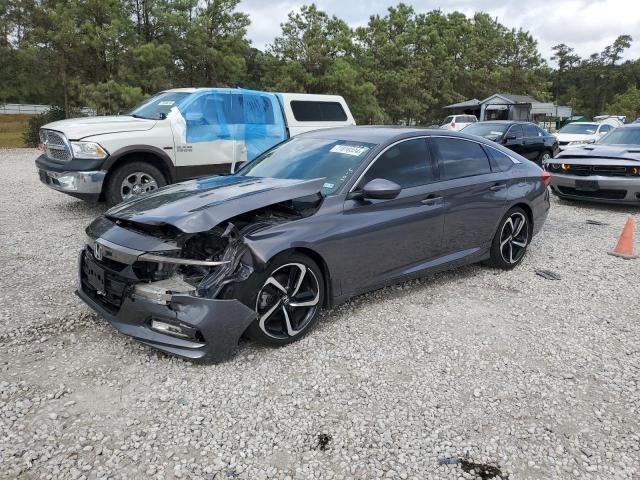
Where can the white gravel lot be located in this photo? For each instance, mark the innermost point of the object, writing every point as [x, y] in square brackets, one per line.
[537, 378]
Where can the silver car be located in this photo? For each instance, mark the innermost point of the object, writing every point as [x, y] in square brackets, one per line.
[607, 171]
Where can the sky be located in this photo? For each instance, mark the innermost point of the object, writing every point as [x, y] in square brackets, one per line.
[585, 25]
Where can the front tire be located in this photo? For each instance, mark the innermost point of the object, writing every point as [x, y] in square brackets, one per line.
[131, 180]
[511, 240]
[543, 157]
[287, 296]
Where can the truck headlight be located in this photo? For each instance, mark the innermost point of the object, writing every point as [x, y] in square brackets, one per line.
[88, 150]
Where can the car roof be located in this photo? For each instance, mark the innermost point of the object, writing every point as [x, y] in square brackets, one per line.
[384, 134]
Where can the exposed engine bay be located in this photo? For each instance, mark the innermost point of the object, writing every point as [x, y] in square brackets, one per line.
[204, 263]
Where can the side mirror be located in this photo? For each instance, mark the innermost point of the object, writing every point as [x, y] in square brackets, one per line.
[381, 189]
[510, 137]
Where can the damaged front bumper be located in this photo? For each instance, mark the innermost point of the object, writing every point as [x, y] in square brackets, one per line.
[180, 324]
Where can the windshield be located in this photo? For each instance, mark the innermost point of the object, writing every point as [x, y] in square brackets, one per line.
[492, 131]
[308, 158]
[622, 136]
[157, 107]
[579, 128]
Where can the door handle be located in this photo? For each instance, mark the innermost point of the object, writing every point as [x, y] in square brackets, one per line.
[497, 187]
[431, 200]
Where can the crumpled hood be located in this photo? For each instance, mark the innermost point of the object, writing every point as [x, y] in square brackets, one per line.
[573, 137]
[623, 152]
[79, 128]
[201, 204]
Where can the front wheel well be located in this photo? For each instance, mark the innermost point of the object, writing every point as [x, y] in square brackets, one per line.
[130, 157]
[326, 274]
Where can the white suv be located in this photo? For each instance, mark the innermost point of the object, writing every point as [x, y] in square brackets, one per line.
[176, 135]
[458, 122]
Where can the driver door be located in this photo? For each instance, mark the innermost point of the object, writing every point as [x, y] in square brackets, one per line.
[209, 146]
[393, 238]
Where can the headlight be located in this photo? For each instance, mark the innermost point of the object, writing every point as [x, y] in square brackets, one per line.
[88, 150]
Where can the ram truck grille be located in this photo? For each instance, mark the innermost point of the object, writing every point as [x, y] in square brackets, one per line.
[56, 146]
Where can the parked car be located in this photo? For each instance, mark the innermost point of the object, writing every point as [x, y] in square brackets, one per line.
[176, 135]
[607, 171]
[312, 222]
[524, 138]
[458, 122]
[577, 134]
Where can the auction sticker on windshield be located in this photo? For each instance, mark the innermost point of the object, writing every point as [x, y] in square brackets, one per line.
[356, 151]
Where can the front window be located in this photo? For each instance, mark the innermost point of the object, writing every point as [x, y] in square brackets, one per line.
[490, 131]
[308, 158]
[579, 128]
[158, 106]
[622, 136]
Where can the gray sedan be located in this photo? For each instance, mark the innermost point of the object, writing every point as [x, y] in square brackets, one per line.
[607, 171]
[320, 218]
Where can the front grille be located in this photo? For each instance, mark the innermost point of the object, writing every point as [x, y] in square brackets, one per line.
[56, 146]
[563, 143]
[116, 285]
[588, 170]
[607, 194]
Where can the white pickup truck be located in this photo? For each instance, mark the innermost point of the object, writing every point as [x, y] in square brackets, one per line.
[176, 135]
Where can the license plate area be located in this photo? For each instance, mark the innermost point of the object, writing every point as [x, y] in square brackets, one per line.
[95, 276]
[587, 185]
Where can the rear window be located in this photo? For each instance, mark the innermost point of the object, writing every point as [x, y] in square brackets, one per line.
[531, 131]
[307, 111]
[468, 119]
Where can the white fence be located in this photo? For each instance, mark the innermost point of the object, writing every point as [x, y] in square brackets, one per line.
[15, 108]
[23, 108]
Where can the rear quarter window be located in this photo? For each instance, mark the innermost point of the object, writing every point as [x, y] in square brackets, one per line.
[308, 111]
[501, 161]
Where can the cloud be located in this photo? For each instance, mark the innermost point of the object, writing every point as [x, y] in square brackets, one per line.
[585, 25]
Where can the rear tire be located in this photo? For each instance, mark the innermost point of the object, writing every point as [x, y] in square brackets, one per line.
[287, 296]
[131, 180]
[510, 242]
[543, 157]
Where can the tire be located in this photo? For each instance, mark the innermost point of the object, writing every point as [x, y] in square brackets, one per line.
[543, 157]
[506, 254]
[140, 176]
[272, 290]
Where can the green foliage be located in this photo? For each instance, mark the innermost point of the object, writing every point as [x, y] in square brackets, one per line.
[109, 98]
[31, 134]
[627, 103]
[401, 67]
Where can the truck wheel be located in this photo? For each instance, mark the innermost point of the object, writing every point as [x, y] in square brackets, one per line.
[131, 180]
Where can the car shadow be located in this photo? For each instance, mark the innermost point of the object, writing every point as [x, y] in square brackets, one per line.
[81, 207]
[602, 207]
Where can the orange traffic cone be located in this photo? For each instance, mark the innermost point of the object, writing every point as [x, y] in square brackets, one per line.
[624, 248]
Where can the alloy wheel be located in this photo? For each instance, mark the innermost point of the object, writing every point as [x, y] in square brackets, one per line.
[136, 184]
[514, 238]
[288, 301]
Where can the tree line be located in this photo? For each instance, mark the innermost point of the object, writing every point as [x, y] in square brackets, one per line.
[402, 66]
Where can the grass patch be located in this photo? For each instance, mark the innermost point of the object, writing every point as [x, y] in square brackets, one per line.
[11, 129]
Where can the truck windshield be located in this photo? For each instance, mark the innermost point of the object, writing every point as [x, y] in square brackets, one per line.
[158, 106]
[309, 158]
[622, 136]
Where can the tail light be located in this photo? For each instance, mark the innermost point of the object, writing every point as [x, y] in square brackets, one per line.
[546, 178]
[453, 124]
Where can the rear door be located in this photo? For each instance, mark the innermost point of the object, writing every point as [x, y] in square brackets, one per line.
[514, 139]
[388, 237]
[474, 195]
[533, 142]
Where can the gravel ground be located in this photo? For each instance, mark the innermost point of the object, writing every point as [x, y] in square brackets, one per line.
[535, 378]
